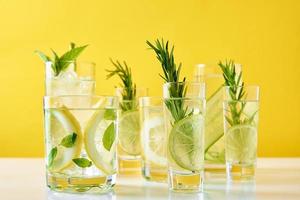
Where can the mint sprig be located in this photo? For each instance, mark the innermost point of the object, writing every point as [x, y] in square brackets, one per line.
[61, 63]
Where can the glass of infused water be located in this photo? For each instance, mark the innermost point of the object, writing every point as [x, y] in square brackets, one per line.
[184, 119]
[241, 109]
[153, 139]
[80, 136]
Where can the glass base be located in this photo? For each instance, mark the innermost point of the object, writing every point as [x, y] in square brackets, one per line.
[154, 173]
[129, 167]
[240, 171]
[185, 182]
[98, 184]
[215, 171]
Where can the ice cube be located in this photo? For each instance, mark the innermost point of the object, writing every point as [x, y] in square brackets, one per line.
[68, 75]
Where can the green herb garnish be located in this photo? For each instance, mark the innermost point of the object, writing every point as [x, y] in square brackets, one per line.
[233, 79]
[109, 136]
[61, 63]
[171, 74]
[52, 156]
[69, 140]
[129, 88]
[110, 114]
[82, 162]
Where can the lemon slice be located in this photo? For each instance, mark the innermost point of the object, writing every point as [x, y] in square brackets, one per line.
[59, 124]
[155, 140]
[129, 132]
[241, 143]
[93, 140]
[186, 145]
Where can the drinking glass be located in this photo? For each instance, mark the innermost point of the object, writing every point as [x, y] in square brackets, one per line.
[153, 139]
[129, 147]
[80, 136]
[241, 109]
[184, 119]
[214, 128]
[78, 78]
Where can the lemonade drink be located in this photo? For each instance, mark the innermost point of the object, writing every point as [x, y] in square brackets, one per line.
[81, 141]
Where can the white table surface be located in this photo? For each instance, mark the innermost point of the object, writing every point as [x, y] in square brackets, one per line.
[276, 178]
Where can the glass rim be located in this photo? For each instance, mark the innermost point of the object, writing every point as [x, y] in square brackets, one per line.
[81, 95]
[185, 82]
[72, 61]
[49, 100]
[151, 97]
[189, 98]
[242, 86]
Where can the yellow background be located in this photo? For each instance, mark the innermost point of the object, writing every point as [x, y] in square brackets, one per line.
[262, 35]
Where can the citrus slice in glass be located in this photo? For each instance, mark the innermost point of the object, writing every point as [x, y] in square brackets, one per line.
[241, 143]
[129, 132]
[93, 139]
[61, 123]
[155, 140]
[186, 143]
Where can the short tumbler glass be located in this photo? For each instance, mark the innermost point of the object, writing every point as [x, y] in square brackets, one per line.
[153, 139]
[241, 109]
[80, 136]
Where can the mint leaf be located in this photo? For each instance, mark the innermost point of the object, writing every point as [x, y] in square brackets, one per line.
[69, 140]
[109, 136]
[70, 56]
[42, 56]
[110, 114]
[52, 156]
[56, 65]
[82, 162]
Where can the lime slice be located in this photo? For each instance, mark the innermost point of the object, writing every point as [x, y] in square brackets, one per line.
[241, 143]
[186, 143]
[154, 140]
[129, 132]
[61, 123]
[93, 140]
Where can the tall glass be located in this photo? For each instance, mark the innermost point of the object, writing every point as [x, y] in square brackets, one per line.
[153, 139]
[241, 109]
[212, 76]
[77, 79]
[184, 119]
[214, 132]
[80, 136]
[129, 147]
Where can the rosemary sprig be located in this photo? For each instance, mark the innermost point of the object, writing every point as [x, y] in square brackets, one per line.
[171, 74]
[129, 88]
[233, 79]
